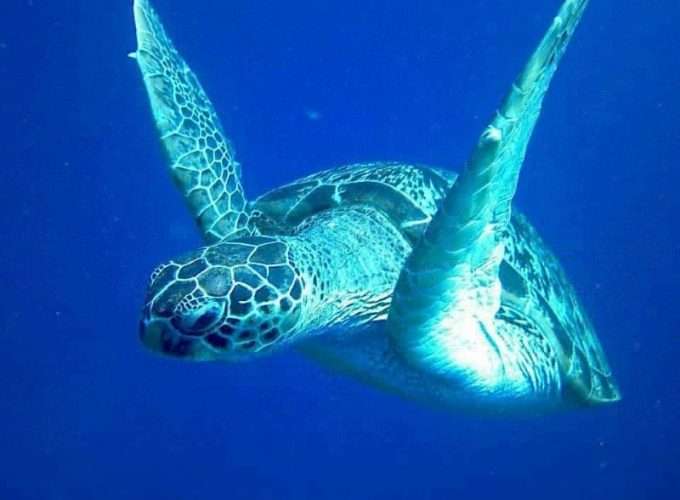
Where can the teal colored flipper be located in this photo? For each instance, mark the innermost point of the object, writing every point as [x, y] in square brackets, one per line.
[201, 158]
[442, 317]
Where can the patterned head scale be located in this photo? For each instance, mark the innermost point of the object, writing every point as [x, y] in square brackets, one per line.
[224, 301]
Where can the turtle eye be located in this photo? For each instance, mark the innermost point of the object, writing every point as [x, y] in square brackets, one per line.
[200, 319]
[206, 320]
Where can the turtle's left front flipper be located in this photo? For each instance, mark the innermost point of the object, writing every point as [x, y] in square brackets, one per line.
[201, 159]
[442, 314]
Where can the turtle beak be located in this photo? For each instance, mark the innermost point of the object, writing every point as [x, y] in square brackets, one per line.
[160, 336]
[150, 333]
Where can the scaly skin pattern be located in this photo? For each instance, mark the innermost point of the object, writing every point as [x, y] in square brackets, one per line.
[250, 295]
[328, 285]
[202, 160]
[225, 301]
[448, 315]
[413, 279]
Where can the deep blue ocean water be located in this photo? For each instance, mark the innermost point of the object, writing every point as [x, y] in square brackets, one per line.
[87, 210]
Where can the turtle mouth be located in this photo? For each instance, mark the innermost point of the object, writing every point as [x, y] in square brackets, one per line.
[178, 333]
[160, 336]
[182, 337]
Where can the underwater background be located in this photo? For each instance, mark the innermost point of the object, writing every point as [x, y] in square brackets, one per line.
[87, 210]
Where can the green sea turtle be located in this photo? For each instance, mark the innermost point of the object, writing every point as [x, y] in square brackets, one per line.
[409, 278]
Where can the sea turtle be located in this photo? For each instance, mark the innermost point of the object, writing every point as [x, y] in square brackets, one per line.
[410, 278]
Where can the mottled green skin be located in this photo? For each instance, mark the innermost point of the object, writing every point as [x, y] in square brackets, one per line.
[406, 277]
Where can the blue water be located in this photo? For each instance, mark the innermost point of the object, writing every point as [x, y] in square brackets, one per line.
[87, 210]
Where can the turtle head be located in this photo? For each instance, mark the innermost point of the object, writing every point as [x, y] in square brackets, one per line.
[226, 301]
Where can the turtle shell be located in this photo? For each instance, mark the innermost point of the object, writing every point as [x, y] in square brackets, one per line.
[537, 296]
[407, 194]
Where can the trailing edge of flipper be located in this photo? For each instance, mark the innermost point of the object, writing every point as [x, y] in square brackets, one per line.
[201, 159]
[448, 294]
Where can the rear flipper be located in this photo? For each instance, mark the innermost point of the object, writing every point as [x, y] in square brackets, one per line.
[443, 315]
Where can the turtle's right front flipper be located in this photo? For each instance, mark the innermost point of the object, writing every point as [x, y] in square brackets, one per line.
[201, 159]
[442, 318]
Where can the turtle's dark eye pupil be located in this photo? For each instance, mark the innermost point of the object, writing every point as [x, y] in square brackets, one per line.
[200, 319]
[206, 319]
